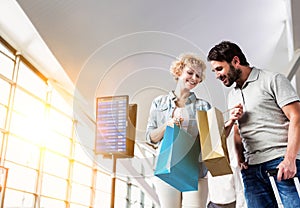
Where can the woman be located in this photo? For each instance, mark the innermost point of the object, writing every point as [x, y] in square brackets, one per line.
[179, 107]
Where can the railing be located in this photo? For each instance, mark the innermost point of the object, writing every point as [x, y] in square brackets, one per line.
[294, 65]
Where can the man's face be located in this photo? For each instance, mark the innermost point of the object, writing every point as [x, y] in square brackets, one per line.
[225, 72]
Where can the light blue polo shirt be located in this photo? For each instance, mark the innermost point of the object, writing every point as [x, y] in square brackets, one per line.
[263, 126]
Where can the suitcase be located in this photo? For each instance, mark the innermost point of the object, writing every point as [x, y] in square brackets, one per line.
[271, 174]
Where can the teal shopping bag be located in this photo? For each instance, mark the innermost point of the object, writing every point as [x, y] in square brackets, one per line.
[177, 163]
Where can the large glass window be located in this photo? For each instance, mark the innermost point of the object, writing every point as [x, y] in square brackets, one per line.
[28, 79]
[46, 202]
[53, 186]
[80, 194]
[60, 123]
[6, 62]
[122, 191]
[102, 199]
[5, 90]
[58, 143]
[56, 164]
[3, 113]
[17, 174]
[83, 154]
[22, 152]
[48, 166]
[4, 98]
[15, 198]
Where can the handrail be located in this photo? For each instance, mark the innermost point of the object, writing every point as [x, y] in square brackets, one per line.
[294, 65]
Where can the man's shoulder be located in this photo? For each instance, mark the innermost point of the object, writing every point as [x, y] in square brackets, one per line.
[267, 72]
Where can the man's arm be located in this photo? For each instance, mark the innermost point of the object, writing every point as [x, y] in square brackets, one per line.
[239, 148]
[287, 168]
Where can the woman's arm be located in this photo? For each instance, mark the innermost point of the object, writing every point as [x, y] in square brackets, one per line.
[157, 134]
[155, 130]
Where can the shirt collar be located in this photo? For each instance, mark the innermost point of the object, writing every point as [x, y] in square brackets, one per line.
[252, 77]
[172, 96]
[190, 99]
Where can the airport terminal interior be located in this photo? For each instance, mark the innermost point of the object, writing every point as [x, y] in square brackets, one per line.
[60, 60]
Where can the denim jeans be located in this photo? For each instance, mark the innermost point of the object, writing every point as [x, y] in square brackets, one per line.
[258, 189]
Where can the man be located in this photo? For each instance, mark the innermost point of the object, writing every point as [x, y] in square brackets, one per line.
[267, 130]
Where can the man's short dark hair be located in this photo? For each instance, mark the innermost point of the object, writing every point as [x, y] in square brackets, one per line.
[225, 51]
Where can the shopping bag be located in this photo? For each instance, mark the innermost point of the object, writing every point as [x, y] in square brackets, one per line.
[213, 141]
[177, 162]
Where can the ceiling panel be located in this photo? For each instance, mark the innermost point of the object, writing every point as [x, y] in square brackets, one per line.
[114, 47]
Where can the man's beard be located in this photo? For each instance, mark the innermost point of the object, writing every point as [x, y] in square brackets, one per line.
[233, 75]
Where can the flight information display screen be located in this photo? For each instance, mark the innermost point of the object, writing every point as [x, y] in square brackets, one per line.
[111, 118]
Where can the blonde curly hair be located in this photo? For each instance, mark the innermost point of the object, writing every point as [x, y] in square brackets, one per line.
[190, 60]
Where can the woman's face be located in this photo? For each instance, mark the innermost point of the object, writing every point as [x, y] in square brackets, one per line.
[191, 76]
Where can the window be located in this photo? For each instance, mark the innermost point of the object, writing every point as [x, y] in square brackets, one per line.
[17, 174]
[6, 62]
[49, 165]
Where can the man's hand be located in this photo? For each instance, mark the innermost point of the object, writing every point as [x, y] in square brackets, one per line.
[286, 169]
[236, 112]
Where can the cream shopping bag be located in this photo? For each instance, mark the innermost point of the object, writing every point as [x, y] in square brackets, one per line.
[213, 141]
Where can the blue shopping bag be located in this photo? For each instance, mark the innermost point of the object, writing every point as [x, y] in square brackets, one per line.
[177, 163]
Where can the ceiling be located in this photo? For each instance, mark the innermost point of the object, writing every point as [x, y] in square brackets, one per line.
[126, 47]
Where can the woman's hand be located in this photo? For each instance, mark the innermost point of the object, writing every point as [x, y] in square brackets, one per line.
[176, 121]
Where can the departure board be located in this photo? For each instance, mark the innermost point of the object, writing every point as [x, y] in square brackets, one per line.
[112, 119]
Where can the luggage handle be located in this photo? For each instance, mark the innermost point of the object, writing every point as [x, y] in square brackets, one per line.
[272, 172]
